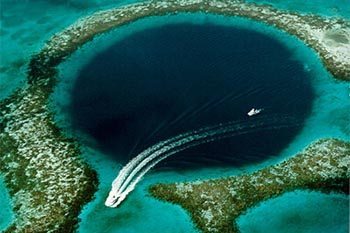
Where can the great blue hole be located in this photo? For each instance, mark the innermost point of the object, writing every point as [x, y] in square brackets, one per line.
[162, 81]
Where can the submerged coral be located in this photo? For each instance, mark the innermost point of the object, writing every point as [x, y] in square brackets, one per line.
[47, 179]
[215, 204]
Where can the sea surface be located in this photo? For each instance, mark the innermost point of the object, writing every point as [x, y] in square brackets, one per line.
[180, 77]
[285, 213]
[322, 105]
[330, 8]
[6, 213]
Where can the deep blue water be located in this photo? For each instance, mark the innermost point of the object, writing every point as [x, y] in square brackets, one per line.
[163, 81]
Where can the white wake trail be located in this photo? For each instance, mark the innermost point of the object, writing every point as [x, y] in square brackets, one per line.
[136, 160]
[133, 172]
[191, 140]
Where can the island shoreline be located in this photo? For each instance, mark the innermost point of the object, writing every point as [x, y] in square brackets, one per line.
[31, 141]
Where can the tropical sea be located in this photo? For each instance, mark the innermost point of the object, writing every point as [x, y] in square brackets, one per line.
[6, 213]
[334, 8]
[160, 82]
[119, 119]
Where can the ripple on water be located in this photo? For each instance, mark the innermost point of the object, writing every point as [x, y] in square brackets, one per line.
[330, 96]
[162, 81]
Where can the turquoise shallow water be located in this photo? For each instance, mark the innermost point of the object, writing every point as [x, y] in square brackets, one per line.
[6, 214]
[329, 8]
[187, 82]
[26, 25]
[317, 212]
[23, 33]
[328, 119]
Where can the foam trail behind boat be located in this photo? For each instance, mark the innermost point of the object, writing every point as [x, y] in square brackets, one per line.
[136, 160]
[133, 172]
[227, 130]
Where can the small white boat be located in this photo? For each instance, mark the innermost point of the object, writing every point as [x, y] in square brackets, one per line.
[254, 111]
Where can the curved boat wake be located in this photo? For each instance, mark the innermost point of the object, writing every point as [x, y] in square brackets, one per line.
[132, 172]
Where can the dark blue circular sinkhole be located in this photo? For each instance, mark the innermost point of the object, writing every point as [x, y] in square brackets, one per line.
[170, 79]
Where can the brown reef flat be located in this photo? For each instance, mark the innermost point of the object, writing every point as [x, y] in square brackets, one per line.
[215, 204]
[47, 179]
[329, 37]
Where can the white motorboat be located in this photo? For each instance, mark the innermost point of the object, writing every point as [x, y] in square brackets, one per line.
[254, 111]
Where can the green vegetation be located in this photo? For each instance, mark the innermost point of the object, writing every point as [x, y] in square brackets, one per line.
[215, 204]
[47, 179]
